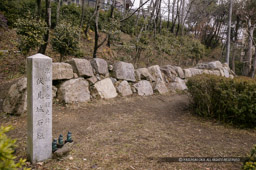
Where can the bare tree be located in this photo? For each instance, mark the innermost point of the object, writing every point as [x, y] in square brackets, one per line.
[168, 13]
[229, 32]
[96, 27]
[43, 47]
[38, 2]
[83, 11]
[182, 16]
[58, 11]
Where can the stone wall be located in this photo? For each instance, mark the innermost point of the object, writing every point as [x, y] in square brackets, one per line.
[81, 80]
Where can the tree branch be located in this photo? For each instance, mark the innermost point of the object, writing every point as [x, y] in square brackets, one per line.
[134, 11]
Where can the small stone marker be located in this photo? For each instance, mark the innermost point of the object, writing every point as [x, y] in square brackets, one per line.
[39, 76]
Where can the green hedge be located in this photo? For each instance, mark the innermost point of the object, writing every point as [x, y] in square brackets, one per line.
[250, 163]
[229, 100]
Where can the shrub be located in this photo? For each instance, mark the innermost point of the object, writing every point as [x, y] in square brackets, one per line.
[70, 14]
[250, 163]
[229, 100]
[30, 32]
[3, 21]
[65, 39]
[6, 151]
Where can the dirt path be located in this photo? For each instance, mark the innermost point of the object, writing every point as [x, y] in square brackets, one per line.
[124, 133]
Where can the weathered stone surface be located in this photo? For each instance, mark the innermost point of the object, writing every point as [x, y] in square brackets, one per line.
[75, 75]
[82, 67]
[143, 88]
[160, 87]
[187, 73]
[214, 65]
[169, 73]
[179, 84]
[61, 71]
[226, 72]
[113, 80]
[64, 150]
[180, 72]
[216, 72]
[16, 100]
[124, 71]
[100, 66]
[105, 88]
[74, 90]
[124, 88]
[202, 66]
[39, 122]
[156, 73]
[206, 72]
[221, 73]
[110, 67]
[211, 65]
[92, 80]
[143, 74]
[54, 91]
[195, 71]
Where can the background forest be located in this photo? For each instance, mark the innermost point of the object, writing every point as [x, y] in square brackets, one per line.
[178, 32]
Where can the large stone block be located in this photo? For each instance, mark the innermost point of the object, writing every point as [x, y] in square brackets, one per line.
[187, 73]
[106, 89]
[39, 118]
[143, 88]
[180, 72]
[124, 71]
[61, 71]
[143, 74]
[74, 90]
[100, 66]
[124, 88]
[214, 65]
[195, 71]
[156, 73]
[82, 67]
[160, 87]
[16, 99]
[169, 73]
[179, 84]
[211, 65]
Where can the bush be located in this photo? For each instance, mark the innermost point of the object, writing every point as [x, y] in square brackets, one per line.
[6, 151]
[30, 32]
[250, 163]
[65, 39]
[14, 9]
[3, 21]
[229, 100]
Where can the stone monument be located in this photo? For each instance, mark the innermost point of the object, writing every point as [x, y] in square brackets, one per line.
[39, 103]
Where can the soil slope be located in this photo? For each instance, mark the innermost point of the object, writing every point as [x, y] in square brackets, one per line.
[136, 132]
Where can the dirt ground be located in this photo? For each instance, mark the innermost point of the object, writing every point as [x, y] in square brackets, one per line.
[135, 132]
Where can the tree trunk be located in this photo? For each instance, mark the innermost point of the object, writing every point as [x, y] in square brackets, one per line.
[250, 41]
[83, 11]
[178, 15]
[168, 15]
[43, 47]
[138, 15]
[252, 72]
[229, 32]
[38, 2]
[173, 10]
[96, 29]
[58, 12]
[182, 17]
[111, 16]
[175, 19]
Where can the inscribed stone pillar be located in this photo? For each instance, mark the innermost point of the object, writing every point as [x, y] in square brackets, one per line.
[39, 77]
